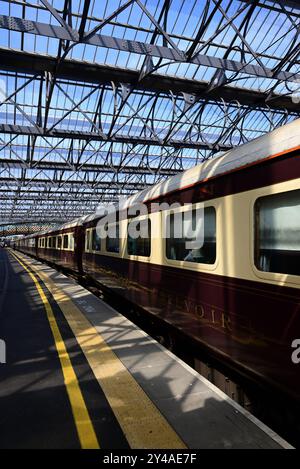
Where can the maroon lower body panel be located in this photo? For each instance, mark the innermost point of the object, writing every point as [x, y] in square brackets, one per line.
[65, 259]
[31, 251]
[248, 324]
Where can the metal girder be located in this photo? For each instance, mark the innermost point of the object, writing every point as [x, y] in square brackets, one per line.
[44, 183]
[88, 167]
[288, 3]
[79, 200]
[92, 136]
[136, 47]
[97, 74]
[94, 195]
[21, 228]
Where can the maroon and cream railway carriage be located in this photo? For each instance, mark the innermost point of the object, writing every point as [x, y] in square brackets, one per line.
[238, 295]
[62, 246]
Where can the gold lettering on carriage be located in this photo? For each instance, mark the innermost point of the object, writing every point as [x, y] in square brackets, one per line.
[234, 324]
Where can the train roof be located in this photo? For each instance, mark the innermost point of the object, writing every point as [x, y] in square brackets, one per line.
[280, 141]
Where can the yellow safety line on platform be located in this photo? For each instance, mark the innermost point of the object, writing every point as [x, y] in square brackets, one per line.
[142, 423]
[84, 426]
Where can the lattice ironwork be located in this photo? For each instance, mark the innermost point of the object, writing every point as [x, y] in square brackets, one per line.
[18, 229]
[101, 99]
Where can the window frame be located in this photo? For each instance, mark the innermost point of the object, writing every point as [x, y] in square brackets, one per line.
[53, 242]
[138, 256]
[94, 251]
[59, 248]
[71, 242]
[273, 277]
[89, 232]
[112, 253]
[198, 266]
[87, 238]
[65, 235]
[68, 234]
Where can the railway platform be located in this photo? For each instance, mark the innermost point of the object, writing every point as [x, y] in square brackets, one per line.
[78, 374]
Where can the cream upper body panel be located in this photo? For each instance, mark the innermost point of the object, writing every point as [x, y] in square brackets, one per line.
[234, 238]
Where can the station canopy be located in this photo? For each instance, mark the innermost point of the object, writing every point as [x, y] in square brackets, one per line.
[100, 99]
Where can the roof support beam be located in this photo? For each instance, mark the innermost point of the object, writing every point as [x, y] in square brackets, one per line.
[86, 167]
[152, 50]
[134, 186]
[92, 136]
[288, 3]
[96, 74]
[78, 195]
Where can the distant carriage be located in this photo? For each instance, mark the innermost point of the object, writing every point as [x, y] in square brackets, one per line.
[239, 295]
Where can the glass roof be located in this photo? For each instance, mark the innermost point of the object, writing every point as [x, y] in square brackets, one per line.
[99, 99]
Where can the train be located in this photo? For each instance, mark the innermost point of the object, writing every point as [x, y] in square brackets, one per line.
[238, 294]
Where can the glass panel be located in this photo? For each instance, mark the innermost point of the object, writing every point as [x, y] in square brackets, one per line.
[112, 243]
[59, 239]
[140, 246]
[177, 248]
[87, 241]
[96, 241]
[66, 241]
[278, 233]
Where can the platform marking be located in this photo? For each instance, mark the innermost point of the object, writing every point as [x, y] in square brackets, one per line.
[84, 426]
[142, 423]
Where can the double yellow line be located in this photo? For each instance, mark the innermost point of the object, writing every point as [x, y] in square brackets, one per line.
[142, 423]
[84, 426]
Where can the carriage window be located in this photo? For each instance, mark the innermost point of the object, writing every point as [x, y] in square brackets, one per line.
[59, 239]
[96, 241]
[177, 248]
[88, 240]
[54, 242]
[141, 245]
[113, 239]
[66, 242]
[71, 241]
[277, 243]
